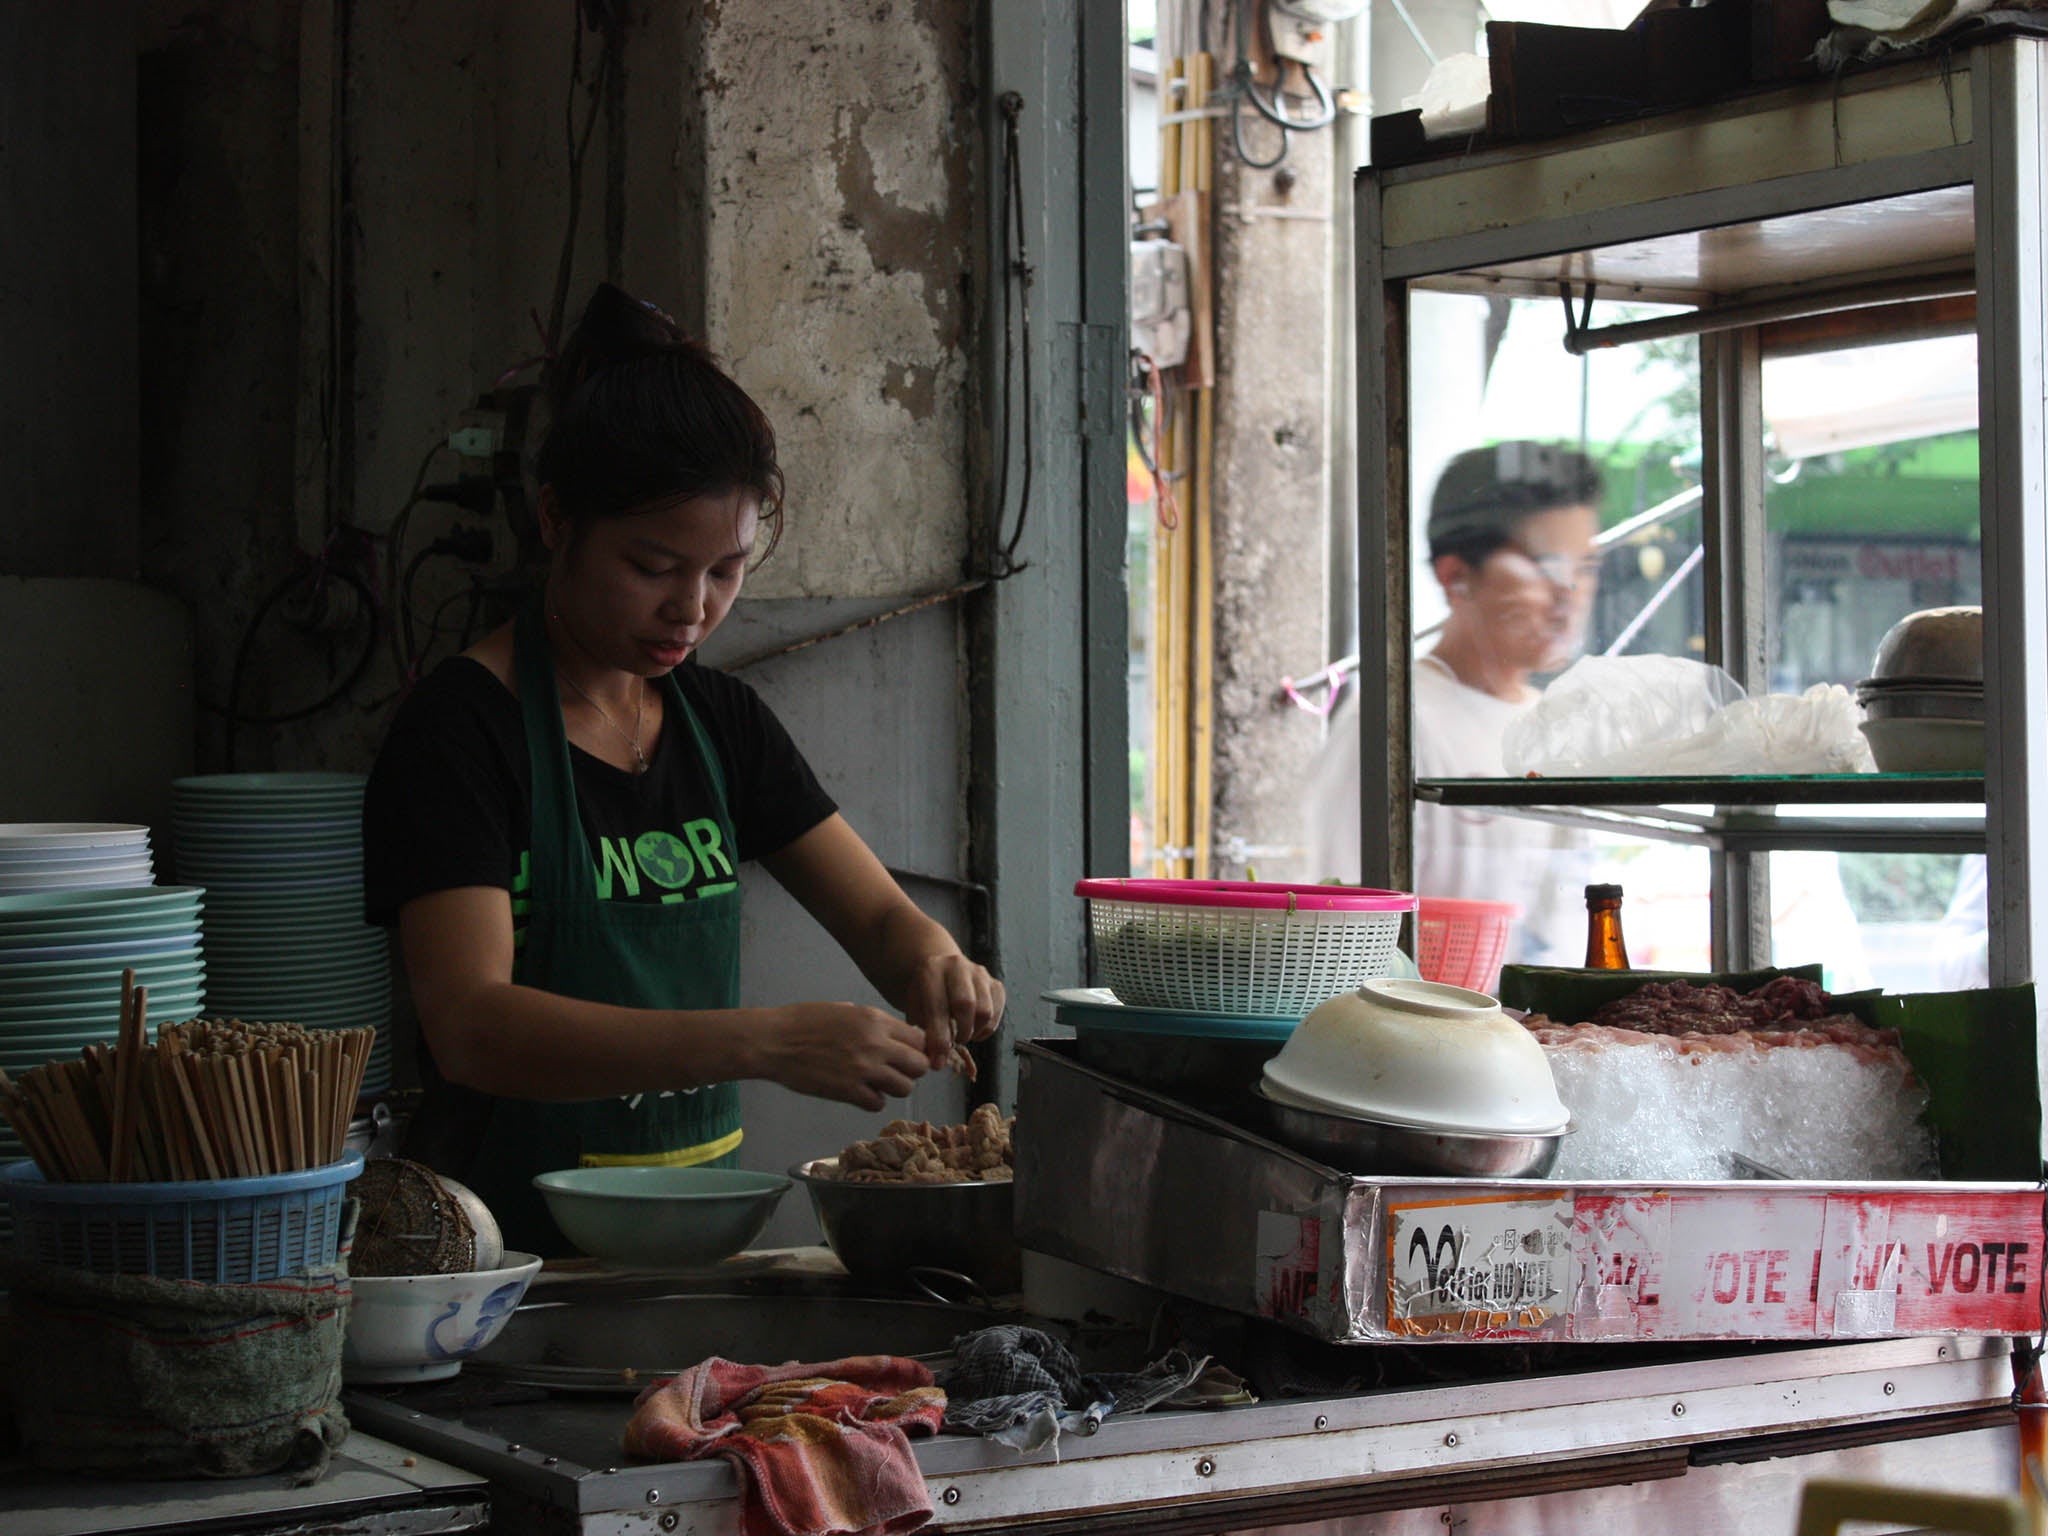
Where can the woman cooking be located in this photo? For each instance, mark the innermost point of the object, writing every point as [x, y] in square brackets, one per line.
[556, 819]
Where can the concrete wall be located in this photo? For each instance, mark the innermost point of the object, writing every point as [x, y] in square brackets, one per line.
[95, 668]
[1272, 462]
[841, 222]
[67, 290]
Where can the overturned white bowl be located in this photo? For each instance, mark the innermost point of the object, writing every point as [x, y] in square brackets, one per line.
[1420, 1054]
[421, 1327]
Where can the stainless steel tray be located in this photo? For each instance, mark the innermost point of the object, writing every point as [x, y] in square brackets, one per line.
[1131, 1182]
[611, 1336]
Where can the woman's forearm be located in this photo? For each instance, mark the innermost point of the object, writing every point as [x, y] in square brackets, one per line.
[905, 939]
[520, 1042]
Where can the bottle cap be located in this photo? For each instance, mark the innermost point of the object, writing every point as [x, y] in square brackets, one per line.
[1603, 893]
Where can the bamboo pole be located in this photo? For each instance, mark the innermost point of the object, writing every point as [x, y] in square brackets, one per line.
[1202, 541]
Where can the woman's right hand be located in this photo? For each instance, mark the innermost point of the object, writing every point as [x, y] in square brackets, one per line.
[858, 1055]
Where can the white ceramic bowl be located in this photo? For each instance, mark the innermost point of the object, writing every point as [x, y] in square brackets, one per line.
[1927, 745]
[420, 1327]
[1420, 1054]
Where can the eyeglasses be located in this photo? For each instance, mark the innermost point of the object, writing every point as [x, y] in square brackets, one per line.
[1568, 571]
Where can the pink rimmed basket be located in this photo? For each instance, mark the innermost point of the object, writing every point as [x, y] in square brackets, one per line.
[1239, 946]
[1463, 942]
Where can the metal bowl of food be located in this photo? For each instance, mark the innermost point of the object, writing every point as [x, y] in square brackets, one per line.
[1935, 643]
[885, 1231]
[1355, 1144]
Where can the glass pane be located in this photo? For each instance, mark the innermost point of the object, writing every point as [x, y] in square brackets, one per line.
[1872, 506]
[1906, 922]
[1526, 461]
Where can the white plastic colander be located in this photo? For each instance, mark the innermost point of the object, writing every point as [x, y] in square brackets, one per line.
[1239, 946]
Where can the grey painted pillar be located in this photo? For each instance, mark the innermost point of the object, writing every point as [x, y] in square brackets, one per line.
[1049, 739]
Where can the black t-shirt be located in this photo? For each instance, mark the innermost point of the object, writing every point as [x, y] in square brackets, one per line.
[449, 800]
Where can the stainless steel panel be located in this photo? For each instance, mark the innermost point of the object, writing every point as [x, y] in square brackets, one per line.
[618, 1343]
[1137, 1185]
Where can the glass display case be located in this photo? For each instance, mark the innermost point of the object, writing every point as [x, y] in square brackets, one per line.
[1874, 245]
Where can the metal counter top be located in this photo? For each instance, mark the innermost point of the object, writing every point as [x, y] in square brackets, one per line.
[371, 1488]
[553, 1465]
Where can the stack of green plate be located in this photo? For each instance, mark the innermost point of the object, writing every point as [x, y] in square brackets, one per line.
[281, 857]
[61, 958]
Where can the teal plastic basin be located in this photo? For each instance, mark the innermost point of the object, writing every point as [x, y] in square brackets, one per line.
[661, 1218]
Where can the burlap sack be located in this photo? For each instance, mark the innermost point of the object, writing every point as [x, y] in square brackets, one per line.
[129, 1376]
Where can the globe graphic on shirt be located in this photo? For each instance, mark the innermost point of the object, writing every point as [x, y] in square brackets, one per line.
[664, 859]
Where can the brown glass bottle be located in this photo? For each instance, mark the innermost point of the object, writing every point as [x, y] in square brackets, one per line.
[1604, 949]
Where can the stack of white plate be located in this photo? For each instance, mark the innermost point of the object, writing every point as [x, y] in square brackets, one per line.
[72, 856]
[61, 958]
[281, 857]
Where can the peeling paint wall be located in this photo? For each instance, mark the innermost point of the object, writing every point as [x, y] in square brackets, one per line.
[841, 223]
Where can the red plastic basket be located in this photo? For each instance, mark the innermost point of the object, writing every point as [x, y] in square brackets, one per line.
[1462, 942]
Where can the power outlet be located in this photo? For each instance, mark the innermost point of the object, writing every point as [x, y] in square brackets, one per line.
[1305, 42]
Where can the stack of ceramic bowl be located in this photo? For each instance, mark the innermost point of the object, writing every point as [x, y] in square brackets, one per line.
[61, 958]
[72, 856]
[1923, 703]
[281, 857]
[1415, 1077]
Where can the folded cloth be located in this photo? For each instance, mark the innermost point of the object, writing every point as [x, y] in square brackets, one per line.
[1025, 1389]
[821, 1450]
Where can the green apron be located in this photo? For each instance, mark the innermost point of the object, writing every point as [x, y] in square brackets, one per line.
[679, 954]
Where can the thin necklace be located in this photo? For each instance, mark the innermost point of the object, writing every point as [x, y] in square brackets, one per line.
[639, 704]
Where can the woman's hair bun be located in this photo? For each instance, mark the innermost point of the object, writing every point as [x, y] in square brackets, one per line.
[640, 412]
[615, 328]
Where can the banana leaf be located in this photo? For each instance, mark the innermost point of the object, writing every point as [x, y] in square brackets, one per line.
[1571, 995]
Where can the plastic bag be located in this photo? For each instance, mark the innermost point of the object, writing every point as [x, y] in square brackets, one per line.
[1665, 715]
[1453, 98]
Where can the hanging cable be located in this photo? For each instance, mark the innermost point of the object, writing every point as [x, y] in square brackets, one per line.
[315, 578]
[1243, 87]
[1017, 276]
[597, 15]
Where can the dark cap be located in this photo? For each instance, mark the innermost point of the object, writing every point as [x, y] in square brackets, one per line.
[1603, 893]
[1484, 492]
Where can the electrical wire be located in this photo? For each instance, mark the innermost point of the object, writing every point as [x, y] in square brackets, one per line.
[1243, 86]
[588, 13]
[317, 573]
[1016, 333]
[394, 552]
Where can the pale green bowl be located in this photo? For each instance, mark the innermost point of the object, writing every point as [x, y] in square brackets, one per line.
[661, 1218]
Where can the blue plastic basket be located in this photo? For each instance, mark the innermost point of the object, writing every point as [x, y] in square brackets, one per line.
[221, 1231]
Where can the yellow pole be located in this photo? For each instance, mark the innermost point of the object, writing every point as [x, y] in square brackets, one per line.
[1202, 744]
[1167, 692]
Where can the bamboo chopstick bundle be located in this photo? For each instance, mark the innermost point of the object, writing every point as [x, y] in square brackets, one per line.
[211, 1099]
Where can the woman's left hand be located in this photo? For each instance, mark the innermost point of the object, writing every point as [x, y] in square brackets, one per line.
[952, 1001]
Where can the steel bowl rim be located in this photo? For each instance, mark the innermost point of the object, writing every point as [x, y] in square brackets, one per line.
[1413, 1128]
[802, 1174]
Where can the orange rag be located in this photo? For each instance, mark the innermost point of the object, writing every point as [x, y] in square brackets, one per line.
[821, 1450]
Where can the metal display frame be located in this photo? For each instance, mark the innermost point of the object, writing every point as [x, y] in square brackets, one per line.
[1846, 165]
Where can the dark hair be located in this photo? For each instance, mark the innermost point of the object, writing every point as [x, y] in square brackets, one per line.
[641, 413]
[1484, 492]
